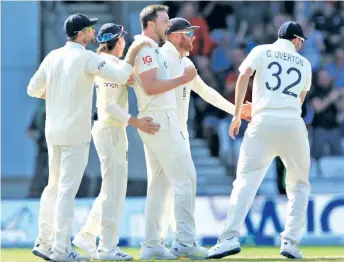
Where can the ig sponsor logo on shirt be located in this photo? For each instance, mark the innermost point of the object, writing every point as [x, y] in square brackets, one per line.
[147, 59]
[112, 85]
[101, 65]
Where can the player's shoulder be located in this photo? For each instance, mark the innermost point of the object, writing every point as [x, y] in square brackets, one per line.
[147, 50]
[258, 50]
[187, 62]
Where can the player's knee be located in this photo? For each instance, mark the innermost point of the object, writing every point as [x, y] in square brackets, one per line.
[298, 186]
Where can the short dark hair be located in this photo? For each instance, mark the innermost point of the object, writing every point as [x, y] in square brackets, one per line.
[149, 13]
[72, 38]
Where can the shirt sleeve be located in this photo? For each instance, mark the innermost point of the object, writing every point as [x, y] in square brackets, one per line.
[211, 96]
[97, 66]
[251, 61]
[111, 107]
[308, 81]
[37, 85]
[147, 59]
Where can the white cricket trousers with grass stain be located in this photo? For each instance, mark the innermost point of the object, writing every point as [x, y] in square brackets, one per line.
[66, 169]
[112, 147]
[171, 173]
[265, 138]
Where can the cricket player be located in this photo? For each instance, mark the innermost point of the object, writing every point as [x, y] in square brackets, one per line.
[282, 80]
[180, 42]
[110, 139]
[167, 153]
[66, 80]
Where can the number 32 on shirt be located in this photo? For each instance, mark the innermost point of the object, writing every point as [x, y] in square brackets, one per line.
[295, 76]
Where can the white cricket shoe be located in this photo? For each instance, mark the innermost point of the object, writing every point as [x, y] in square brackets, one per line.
[195, 252]
[114, 254]
[85, 245]
[42, 249]
[156, 253]
[68, 256]
[290, 249]
[227, 247]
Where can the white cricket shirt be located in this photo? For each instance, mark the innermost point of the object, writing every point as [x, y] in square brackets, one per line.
[281, 75]
[149, 58]
[112, 98]
[176, 65]
[67, 76]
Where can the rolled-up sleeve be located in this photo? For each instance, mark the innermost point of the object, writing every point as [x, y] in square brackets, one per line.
[37, 85]
[252, 60]
[97, 66]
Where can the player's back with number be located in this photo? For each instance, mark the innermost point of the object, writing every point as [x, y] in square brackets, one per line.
[281, 76]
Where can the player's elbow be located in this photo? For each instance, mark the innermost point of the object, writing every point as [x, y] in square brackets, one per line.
[33, 92]
[149, 89]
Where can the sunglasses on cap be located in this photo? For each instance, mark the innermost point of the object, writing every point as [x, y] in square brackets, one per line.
[302, 39]
[108, 36]
[88, 29]
[188, 33]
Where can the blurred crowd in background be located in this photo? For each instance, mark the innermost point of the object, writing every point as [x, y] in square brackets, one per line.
[229, 31]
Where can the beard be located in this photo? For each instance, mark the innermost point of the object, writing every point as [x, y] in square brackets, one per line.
[186, 44]
[161, 37]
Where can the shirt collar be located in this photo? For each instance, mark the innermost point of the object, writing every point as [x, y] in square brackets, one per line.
[74, 45]
[285, 43]
[169, 47]
[110, 57]
[146, 38]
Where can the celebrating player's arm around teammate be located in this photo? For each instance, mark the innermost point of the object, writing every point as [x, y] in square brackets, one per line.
[180, 42]
[66, 80]
[281, 82]
[110, 139]
[168, 159]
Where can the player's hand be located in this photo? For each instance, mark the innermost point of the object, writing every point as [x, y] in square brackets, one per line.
[190, 73]
[130, 80]
[234, 127]
[246, 111]
[134, 49]
[146, 125]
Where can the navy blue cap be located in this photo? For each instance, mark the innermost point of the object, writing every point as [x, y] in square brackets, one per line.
[290, 30]
[76, 22]
[179, 23]
[110, 31]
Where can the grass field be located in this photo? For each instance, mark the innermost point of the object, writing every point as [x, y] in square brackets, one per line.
[248, 254]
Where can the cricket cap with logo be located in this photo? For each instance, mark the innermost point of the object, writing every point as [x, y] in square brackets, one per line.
[179, 23]
[77, 22]
[290, 30]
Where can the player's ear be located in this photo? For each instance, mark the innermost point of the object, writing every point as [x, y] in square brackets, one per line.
[150, 23]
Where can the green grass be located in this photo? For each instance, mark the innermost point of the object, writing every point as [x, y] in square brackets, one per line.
[248, 254]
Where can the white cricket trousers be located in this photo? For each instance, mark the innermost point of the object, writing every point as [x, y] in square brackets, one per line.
[66, 169]
[168, 214]
[112, 147]
[171, 175]
[265, 138]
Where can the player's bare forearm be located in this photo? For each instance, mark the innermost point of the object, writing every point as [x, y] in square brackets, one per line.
[43, 96]
[162, 86]
[303, 96]
[240, 92]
